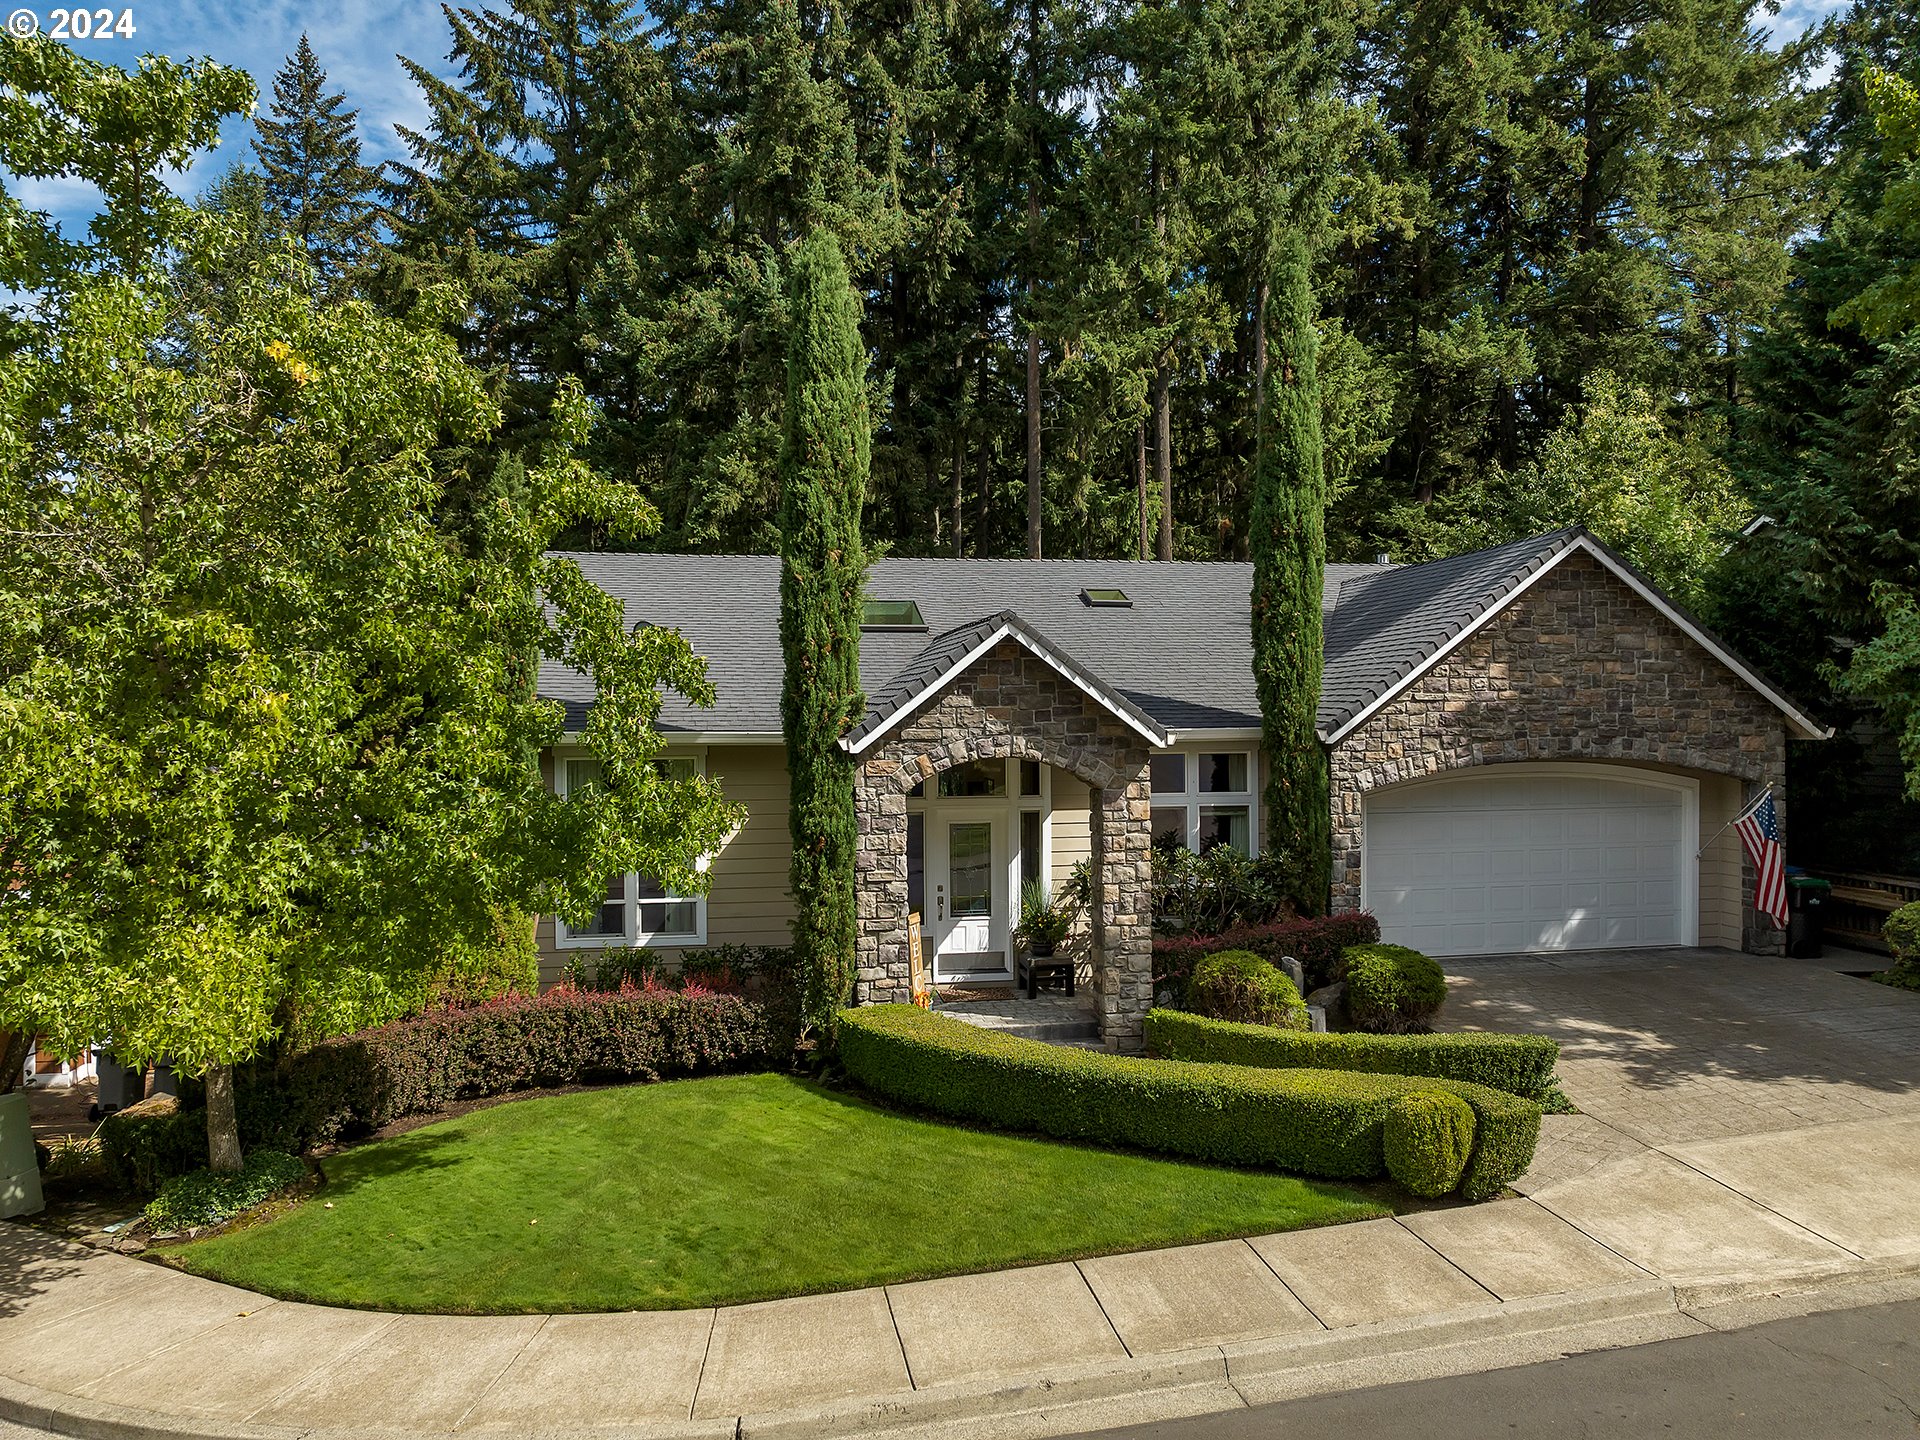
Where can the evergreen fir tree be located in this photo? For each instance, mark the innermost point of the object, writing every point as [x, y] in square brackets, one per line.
[1289, 563]
[315, 188]
[824, 458]
[533, 156]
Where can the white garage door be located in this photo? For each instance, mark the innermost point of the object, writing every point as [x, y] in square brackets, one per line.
[1543, 860]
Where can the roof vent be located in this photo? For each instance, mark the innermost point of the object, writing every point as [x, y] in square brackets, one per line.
[890, 615]
[1113, 599]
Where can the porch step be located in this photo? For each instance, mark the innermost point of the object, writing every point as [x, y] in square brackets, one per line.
[1052, 1019]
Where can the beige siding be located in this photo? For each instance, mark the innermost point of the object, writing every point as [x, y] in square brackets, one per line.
[1721, 887]
[1072, 826]
[748, 903]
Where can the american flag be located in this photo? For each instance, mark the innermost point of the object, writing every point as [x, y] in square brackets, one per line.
[1759, 827]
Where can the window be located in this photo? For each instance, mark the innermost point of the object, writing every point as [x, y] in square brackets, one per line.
[1204, 798]
[916, 862]
[637, 910]
[1115, 598]
[1029, 778]
[974, 780]
[1033, 847]
[890, 615]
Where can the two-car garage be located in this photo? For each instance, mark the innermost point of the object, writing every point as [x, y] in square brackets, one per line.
[1532, 857]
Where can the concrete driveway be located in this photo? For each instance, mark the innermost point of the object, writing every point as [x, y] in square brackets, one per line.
[1761, 1073]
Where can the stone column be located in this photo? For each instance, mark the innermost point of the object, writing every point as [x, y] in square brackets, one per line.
[880, 884]
[1122, 826]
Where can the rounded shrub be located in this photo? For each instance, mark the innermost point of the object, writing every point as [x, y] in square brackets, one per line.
[1392, 990]
[1427, 1139]
[1239, 985]
[1901, 931]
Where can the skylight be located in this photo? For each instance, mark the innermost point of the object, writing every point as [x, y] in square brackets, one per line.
[1115, 598]
[890, 615]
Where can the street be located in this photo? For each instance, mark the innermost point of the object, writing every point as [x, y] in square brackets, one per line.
[1847, 1373]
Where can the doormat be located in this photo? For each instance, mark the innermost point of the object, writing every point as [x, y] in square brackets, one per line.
[979, 994]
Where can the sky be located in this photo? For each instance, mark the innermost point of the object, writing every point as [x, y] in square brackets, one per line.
[359, 42]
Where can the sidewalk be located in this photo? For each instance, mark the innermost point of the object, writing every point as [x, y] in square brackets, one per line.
[1626, 1251]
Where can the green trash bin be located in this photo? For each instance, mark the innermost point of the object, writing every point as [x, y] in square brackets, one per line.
[1807, 897]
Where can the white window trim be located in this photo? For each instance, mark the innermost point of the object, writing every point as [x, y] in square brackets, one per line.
[633, 937]
[1193, 800]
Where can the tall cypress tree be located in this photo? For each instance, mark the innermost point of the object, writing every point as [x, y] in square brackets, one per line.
[1289, 561]
[315, 188]
[825, 453]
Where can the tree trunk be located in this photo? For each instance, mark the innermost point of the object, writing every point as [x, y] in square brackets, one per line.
[1140, 479]
[1163, 457]
[959, 495]
[14, 1047]
[223, 1129]
[1033, 442]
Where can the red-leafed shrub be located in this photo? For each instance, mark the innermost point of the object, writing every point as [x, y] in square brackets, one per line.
[358, 1083]
[1317, 943]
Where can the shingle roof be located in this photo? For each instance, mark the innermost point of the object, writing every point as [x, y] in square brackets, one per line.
[1180, 653]
[1385, 623]
[947, 650]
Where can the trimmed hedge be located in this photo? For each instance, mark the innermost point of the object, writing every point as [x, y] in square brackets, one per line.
[1393, 990]
[1427, 1141]
[358, 1083]
[1313, 1122]
[1318, 943]
[1518, 1064]
[1239, 985]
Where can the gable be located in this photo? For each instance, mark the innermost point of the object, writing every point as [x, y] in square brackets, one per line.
[1596, 594]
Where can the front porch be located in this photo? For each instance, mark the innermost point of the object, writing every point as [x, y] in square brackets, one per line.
[963, 766]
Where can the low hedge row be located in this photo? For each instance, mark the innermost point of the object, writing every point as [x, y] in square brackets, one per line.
[419, 1066]
[1317, 942]
[1314, 1122]
[1517, 1064]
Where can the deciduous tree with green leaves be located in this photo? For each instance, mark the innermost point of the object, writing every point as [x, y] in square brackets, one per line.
[263, 732]
[825, 451]
[1289, 563]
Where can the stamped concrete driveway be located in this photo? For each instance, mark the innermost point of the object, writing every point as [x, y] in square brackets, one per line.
[1666, 1048]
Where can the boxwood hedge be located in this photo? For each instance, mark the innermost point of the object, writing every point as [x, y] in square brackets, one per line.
[1314, 1122]
[1518, 1064]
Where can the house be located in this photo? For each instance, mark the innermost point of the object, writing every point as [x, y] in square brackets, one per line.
[1529, 746]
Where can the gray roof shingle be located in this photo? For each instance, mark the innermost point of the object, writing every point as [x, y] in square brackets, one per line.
[1385, 623]
[1181, 652]
[948, 649]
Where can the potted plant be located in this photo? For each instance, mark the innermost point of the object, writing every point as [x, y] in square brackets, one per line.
[1044, 921]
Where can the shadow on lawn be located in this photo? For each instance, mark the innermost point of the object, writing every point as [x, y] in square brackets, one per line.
[369, 1164]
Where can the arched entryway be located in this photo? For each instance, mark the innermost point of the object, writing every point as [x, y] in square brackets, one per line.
[1013, 703]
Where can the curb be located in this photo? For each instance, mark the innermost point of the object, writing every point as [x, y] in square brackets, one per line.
[1173, 1385]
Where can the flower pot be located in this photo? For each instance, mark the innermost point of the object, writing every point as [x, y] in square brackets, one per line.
[19, 1168]
[1040, 949]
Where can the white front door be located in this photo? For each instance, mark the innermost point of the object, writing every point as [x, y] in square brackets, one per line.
[967, 872]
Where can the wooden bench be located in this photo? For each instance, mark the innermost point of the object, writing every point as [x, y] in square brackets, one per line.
[1860, 905]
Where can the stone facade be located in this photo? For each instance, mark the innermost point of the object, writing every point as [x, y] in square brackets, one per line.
[1010, 702]
[1580, 667]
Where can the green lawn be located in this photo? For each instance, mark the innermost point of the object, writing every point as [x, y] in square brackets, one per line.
[718, 1191]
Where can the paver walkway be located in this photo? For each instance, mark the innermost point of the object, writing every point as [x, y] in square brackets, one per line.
[1662, 1047]
[1649, 1200]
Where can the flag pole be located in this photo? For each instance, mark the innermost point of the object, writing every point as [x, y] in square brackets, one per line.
[1752, 805]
